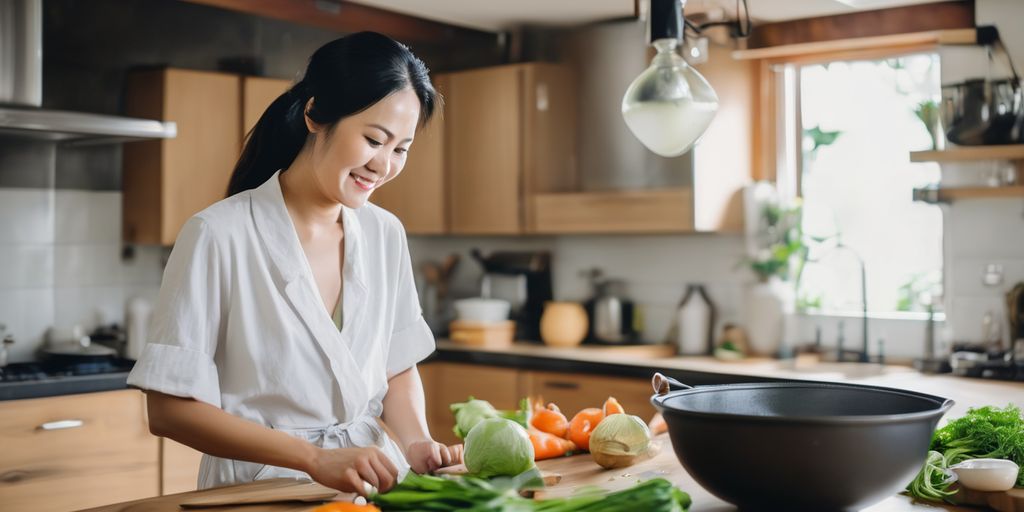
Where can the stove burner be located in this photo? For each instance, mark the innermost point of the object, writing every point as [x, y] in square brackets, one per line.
[21, 372]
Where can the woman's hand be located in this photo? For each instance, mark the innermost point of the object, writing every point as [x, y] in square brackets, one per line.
[345, 469]
[428, 456]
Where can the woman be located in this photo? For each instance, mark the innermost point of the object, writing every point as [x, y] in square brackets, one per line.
[288, 323]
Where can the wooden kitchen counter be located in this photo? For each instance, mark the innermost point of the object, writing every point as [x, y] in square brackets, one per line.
[576, 472]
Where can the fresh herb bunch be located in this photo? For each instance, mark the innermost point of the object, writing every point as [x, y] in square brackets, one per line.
[984, 433]
[434, 493]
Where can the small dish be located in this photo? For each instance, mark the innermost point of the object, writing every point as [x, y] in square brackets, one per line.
[990, 475]
[481, 310]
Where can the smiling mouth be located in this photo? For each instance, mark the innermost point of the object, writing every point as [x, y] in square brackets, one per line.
[363, 183]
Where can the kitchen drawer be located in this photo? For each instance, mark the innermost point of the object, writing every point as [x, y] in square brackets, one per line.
[573, 392]
[77, 451]
[179, 466]
[447, 383]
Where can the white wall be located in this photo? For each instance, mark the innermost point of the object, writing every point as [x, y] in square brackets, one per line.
[979, 232]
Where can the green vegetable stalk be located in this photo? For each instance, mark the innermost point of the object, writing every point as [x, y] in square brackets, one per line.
[433, 493]
[984, 433]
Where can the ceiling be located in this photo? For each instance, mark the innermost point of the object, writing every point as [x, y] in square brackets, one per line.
[496, 15]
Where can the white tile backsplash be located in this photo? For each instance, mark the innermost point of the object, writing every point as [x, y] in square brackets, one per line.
[87, 265]
[88, 306]
[86, 216]
[27, 313]
[26, 216]
[26, 266]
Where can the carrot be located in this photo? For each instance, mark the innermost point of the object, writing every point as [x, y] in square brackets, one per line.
[340, 506]
[583, 424]
[549, 446]
[657, 424]
[612, 406]
[550, 420]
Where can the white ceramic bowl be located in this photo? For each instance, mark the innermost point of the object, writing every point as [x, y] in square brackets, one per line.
[992, 475]
[482, 310]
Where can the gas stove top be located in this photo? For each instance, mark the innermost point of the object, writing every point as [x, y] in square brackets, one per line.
[46, 370]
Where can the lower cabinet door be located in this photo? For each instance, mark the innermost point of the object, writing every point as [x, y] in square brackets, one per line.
[575, 391]
[76, 451]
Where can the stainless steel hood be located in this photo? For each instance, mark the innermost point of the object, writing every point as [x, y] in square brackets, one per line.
[21, 87]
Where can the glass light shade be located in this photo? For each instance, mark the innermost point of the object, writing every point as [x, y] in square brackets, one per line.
[670, 105]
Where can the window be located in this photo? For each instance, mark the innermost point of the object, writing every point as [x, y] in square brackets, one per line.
[857, 121]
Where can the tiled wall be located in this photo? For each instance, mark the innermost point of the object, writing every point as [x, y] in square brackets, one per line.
[60, 247]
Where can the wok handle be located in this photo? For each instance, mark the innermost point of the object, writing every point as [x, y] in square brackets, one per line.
[662, 384]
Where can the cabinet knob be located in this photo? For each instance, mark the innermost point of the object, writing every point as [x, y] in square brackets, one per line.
[60, 425]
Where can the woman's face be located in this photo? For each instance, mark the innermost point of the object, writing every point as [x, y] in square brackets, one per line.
[364, 150]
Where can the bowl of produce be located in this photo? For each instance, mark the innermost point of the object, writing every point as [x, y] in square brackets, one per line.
[799, 445]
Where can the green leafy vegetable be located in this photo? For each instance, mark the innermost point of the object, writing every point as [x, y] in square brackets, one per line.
[984, 433]
[497, 446]
[469, 413]
[473, 411]
[434, 493]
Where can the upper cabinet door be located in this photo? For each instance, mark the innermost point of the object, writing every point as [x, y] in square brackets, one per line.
[485, 151]
[257, 94]
[418, 196]
[167, 181]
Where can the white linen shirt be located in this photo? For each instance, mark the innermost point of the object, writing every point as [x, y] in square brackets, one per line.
[240, 324]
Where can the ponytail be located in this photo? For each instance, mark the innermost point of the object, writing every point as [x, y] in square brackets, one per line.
[273, 143]
[344, 77]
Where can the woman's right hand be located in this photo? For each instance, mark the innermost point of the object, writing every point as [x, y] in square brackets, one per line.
[345, 469]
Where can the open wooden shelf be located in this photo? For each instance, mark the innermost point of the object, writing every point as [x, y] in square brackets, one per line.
[948, 195]
[970, 153]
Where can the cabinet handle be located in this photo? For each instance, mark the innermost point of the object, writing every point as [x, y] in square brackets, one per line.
[561, 384]
[61, 425]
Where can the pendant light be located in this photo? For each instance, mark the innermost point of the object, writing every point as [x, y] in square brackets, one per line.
[670, 105]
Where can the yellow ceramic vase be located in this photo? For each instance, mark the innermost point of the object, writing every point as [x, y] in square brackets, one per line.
[563, 324]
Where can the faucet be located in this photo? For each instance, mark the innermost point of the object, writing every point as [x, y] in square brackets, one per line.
[862, 354]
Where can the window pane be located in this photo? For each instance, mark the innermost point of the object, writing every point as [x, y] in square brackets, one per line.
[859, 125]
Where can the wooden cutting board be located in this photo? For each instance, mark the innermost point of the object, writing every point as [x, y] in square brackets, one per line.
[1006, 501]
[277, 490]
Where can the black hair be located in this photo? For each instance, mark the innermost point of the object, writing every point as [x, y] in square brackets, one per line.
[344, 77]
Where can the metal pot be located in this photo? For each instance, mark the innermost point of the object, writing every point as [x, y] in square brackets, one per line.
[983, 112]
[799, 445]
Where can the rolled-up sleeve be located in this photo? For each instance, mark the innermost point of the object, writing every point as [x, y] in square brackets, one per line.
[178, 358]
[411, 339]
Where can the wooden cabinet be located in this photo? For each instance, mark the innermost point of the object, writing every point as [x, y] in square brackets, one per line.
[179, 467]
[167, 181]
[78, 451]
[447, 383]
[505, 132]
[573, 392]
[418, 195]
[257, 94]
[511, 133]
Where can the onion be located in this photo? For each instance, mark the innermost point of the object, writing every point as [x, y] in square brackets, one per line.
[619, 440]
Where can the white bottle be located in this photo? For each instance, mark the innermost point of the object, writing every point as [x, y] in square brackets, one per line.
[694, 318]
[137, 325]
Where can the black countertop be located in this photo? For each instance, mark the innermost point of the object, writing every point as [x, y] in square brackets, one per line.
[65, 385]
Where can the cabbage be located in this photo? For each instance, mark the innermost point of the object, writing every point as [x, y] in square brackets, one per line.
[497, 446]
[469, 413]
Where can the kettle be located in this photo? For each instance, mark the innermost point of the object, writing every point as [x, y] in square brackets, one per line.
[613, 317]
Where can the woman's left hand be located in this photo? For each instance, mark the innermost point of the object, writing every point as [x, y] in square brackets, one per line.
[429, 456]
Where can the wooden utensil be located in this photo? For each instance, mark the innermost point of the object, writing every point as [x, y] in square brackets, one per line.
[276, 490]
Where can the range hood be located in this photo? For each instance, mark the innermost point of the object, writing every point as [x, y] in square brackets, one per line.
[21, 90]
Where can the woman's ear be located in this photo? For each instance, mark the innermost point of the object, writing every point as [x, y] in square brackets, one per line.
[311, 125]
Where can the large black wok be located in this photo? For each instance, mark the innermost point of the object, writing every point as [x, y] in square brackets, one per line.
[799, 445]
